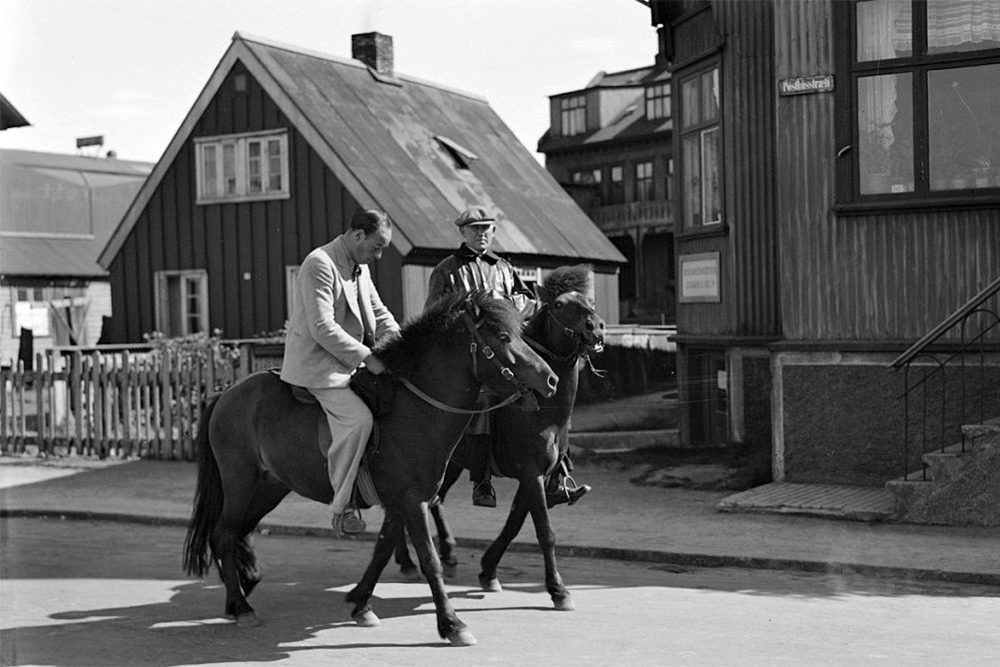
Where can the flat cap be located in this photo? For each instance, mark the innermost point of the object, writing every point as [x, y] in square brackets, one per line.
[477, 215]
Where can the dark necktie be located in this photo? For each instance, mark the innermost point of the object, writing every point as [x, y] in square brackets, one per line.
[367, 338]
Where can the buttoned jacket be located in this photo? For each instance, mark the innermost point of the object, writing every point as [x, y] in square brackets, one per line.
[323, 344]
[464, 271]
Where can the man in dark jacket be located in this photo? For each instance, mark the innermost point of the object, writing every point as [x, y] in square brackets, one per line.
[474, 266]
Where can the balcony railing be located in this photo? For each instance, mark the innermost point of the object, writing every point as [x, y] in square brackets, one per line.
[633, 214]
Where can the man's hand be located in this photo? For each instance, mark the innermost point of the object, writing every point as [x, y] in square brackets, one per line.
[375, 365]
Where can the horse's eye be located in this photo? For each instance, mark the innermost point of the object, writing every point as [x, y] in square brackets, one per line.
[504, 338]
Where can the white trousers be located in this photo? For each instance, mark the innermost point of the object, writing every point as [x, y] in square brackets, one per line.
[350, 425]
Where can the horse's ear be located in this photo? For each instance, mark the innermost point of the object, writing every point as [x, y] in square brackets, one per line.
[471, 302]
[543, 294]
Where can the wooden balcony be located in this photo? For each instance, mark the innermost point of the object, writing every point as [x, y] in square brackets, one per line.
[619, 217]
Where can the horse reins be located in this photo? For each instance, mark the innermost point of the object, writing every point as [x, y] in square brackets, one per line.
[523, 390]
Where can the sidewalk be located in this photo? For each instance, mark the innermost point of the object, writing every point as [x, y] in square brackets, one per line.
[662, 519]
[618, 519]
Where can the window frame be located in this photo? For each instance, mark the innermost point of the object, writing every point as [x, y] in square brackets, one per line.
[161, 280]
[242, 171]
[573, 114]
[291, 284]
[919, 64]
[616, 188]
[644, 186]
[657, 97]
[576, 177]
[701, 127]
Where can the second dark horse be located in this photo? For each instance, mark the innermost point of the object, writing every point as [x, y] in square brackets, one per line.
[529, 446]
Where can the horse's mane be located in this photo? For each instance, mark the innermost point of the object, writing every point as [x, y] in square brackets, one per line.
[566, 279]
[441, 325]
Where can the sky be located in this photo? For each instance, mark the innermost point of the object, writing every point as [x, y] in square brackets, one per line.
[131, 70]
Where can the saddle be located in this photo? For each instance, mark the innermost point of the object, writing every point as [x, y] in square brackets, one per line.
[377, 392]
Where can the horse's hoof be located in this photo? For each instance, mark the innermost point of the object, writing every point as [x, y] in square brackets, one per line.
[247, 620]
[366, 619]
[461, 638]
[450, 570]
[490, 584]
[412, 575]
[564, 604]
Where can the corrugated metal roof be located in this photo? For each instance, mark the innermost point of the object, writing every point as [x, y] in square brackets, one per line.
[381, 140]
[58, 211]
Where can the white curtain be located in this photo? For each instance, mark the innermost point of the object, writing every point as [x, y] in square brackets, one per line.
[883, 26]
[955, 22]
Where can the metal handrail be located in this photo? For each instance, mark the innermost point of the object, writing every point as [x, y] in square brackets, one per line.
[938, 331]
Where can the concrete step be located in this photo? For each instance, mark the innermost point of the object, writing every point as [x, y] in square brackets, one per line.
[831, 501]
[960, 487]
[981, 431]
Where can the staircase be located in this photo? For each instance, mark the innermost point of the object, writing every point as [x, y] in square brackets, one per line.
[951, 380]
[963, 487]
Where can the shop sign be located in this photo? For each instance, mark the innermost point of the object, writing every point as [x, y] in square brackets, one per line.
[700, 278]
[802, 85]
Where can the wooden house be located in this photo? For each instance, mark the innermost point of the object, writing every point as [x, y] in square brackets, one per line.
[838, 199]
[282, 147]
[610, 146]
[56, 214]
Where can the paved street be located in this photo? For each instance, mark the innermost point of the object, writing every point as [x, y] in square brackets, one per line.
[104, 593]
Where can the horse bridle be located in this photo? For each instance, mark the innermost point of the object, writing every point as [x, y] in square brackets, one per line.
[581, 349]
[477, 345]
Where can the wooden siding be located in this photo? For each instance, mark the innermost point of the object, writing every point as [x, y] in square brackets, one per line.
[748, 251]
[883, 276]
[233, 239]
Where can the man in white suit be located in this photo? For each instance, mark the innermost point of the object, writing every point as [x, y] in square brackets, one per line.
[337, 314]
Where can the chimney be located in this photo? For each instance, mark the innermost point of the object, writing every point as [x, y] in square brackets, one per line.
[373, 49]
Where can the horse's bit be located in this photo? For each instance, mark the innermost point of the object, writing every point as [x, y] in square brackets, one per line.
[478, 344]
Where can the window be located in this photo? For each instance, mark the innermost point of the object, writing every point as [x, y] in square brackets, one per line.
[658, 101]
[181, 302]
[700, 149]
[923, 98]
[616, 192]
[591, 178]
[242, 167]
[573, 115]
[644, 181]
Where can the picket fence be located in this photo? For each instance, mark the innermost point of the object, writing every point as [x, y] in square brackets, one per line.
[116, 402]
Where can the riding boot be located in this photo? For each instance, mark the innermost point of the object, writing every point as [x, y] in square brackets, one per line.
[483, 494]
[558, 491]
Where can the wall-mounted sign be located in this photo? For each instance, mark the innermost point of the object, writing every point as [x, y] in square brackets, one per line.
[700, 278]
[801, 85]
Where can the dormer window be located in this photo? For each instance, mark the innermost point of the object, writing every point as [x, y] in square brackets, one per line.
[658, 101]
[462, 156]
[241, 167]
[573, 115]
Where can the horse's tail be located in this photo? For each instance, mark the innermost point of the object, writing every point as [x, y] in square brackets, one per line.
[207, 500]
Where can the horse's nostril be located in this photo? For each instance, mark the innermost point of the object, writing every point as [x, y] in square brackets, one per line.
[553, 383]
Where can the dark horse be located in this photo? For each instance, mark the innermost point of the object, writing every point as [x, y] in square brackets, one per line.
[256, 443]
[528, 447]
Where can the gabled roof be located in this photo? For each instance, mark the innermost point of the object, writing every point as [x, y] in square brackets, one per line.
[58, 211]
[383, 140]
[9, 115]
